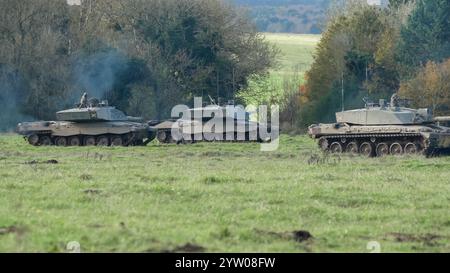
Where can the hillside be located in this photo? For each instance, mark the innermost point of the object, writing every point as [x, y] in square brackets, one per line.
[293, 16]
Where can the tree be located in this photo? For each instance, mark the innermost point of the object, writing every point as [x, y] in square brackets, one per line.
[33, 46]
[426, 36]
[395, 4]
[346, 60]
[430, 87]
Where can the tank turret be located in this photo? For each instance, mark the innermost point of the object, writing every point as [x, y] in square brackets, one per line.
[385, 115]
[107, 113]
[94, 110]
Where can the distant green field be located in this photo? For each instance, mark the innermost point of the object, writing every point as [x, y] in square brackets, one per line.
[219, 198]
[296, 51]
[294, 59]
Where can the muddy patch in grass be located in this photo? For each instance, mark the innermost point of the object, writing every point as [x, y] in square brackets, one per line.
[12, 229]
[302, 236]
[281, 156]
[157, 179]
[186, 248]
[98, 156]
[92, 191]
[96, 226]
[51, 161]
[323, 159]
[34, 162]
[325, 177]
[189, 248]
[428, 239]
[215, 180]
[215, 154]
[299, 236]
[186, 154]
[86, 177]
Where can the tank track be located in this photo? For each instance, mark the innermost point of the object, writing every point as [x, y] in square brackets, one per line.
[46, 139]
[165, 137]
[371, 145]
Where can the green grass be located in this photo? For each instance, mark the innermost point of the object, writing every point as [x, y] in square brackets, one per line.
[222, 197]
[296, 51]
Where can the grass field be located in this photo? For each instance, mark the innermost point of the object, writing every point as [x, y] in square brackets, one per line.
[219, 198]
[296, 53]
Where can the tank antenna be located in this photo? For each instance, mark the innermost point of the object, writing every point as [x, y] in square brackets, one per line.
[342, 92]
[212, 100]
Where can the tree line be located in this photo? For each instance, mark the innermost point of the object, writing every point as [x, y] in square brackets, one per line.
[287, 16]
[144, 56]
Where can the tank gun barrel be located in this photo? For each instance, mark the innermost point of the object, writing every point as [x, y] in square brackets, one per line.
[135, 119]
[442, 119]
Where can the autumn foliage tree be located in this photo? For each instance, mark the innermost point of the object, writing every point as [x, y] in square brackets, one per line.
[430, 87]
[348, 58]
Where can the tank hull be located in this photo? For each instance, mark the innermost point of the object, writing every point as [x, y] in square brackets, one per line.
[64, 133]
[212, 123]
[197, 131]
[382, 140]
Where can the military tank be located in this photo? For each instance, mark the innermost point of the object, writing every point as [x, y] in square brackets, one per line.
[236, 126]
[384, 129]
[90, 123]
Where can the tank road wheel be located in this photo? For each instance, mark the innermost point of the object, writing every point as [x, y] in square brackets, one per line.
[411, 149]
[139, 142]
[352, 148]
[323, 144]
[45, 141]
[366, 149]
[61, 141]
[336, 148]
[103, 141]
[74, 141]
[33, 140]
[116, 141]
[188, 139]
[208, 137]
[162, 136]
[89, 141]
[396, 149]
[382, 149]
